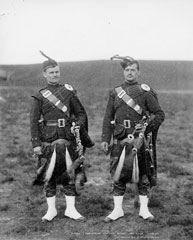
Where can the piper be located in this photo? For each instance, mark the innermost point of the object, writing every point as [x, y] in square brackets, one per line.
[128, 105]
[53, 110]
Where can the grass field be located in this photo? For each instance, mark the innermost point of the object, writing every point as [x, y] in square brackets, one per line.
[22, 205]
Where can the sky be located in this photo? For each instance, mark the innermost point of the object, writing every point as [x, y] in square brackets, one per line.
[82, 30]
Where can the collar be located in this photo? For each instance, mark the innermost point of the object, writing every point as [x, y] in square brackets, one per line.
[53, 85]
[130, 83]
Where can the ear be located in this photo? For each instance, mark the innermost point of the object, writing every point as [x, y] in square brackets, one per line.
[44, 74]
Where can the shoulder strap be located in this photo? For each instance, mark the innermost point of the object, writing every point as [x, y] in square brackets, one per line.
[53, 99]
[121, 93]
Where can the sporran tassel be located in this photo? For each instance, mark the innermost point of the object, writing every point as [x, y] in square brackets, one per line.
[51, 166]
[135, 174]
[120, 165]
[68, 160]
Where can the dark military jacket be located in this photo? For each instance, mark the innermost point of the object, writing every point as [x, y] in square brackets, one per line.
[43, 109]
[119, 111]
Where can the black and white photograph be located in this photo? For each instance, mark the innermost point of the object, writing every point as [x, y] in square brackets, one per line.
[96, 119]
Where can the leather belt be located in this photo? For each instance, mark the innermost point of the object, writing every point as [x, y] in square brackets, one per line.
[132, 124]
[128, 123]
[58, 122]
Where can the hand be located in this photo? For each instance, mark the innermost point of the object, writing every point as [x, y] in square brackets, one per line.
[38, 150]
[104, 146]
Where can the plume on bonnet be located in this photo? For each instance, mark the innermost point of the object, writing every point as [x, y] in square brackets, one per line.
[125, 60]
[50, 63]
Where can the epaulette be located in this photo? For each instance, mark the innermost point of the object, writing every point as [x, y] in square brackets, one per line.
[117, 86]
[42, 89]
[114, 88]
[37, 95]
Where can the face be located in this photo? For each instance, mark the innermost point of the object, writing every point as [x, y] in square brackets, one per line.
[52, 75]
[131, 73]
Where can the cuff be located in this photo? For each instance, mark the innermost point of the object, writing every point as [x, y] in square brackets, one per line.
[35, 142]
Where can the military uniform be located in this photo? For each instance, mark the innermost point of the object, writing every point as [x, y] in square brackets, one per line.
[49, 125]
[125, 119]
[59, 134]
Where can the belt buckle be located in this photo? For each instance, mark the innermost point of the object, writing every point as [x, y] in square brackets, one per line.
[127, 123]
[61, 122]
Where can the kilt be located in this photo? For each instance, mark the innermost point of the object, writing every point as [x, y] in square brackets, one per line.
[59, 175]
[146, 180]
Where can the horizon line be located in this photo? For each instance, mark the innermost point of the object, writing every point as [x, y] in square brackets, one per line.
[95, 60]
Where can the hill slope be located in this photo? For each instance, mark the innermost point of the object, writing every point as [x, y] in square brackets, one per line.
[103, 74]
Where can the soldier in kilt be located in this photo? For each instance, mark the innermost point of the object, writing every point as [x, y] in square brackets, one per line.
[52, 112]
[128, 104]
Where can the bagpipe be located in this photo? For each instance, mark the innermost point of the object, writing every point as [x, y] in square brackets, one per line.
[79, 165]
[131, 147]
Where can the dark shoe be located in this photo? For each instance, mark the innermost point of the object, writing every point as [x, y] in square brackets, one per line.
[150, 218]
[44, 220]
[48, 218]
[108, 219]
[80, 219]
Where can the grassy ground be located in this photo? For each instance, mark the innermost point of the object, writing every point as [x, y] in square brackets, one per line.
[22, 206]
